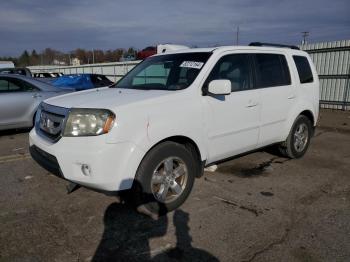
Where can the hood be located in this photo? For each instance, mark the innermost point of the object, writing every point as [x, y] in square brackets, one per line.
[107, 98]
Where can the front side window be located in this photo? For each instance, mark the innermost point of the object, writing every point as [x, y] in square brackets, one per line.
[27, 87]
[14, 86]
[235, 68]
[165, 72]
[9, 85]
[4, 85]
[272, 70]
[304, 69]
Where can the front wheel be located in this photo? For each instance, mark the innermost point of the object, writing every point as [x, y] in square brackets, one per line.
[164, 178]
[298, 139]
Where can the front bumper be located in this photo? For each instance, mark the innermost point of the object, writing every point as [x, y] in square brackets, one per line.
[45, 160]
[112, 167]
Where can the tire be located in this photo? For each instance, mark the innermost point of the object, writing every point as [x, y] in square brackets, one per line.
[156, 173]
[298, 139]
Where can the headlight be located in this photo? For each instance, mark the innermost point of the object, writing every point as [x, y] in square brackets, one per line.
[88, 122]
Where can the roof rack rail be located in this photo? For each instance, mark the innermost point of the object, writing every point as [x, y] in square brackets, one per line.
[275, 45]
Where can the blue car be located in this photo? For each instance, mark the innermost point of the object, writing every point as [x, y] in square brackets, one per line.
[81, 81]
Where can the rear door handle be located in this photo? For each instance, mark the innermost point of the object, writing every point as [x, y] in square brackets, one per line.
[291, 97]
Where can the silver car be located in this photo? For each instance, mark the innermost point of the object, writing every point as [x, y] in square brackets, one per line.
[19, 99]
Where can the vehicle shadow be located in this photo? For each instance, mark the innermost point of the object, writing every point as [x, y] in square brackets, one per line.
[127, 234]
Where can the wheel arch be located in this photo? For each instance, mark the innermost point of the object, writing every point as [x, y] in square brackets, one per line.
[190, 144]
[309, 115]
[301, 108]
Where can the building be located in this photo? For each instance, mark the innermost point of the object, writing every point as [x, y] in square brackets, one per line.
[75, 61]
[58, 62]
[7, 64]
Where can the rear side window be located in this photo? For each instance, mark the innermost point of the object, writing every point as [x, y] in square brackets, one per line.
[272, 70]
[304, 69]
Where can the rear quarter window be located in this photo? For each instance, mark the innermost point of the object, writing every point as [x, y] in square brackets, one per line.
[304, 69]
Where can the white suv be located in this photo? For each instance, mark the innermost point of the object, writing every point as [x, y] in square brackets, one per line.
[175, 113]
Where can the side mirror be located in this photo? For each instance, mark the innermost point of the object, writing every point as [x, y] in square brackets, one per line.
[220, 87]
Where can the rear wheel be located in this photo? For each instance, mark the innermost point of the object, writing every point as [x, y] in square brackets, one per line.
[164, 178]
[298, 139]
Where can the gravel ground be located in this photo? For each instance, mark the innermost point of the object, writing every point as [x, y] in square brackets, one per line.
[259, 207]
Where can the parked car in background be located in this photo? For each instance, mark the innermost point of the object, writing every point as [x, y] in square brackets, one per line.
[47, 74]
[127, 57]
[81, 82]
[148, 51]
[175, 113]
[16, 71]
[19, 99]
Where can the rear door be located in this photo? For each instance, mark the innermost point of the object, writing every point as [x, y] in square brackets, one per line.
[277, 94]
[17, 100]
[232, 120]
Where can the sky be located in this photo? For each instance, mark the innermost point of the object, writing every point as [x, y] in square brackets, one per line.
[109, 24]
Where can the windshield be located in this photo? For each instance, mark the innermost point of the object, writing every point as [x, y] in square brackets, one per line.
[165, 72]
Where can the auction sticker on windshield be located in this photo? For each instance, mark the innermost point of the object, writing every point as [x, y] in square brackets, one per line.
[192, 64]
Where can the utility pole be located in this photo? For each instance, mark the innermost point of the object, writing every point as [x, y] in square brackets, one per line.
[237, 35]
[93, 56]
[305, 34]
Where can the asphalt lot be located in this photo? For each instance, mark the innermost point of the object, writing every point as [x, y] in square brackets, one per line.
[259, 207]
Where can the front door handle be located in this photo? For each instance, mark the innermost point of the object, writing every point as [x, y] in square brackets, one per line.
[252, 103]
[291, 97]
[36, 95]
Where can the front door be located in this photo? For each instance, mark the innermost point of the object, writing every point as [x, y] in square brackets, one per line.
[232, 120]
[16, 102]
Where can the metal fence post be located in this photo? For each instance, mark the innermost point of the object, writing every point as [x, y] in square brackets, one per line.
[346, 91]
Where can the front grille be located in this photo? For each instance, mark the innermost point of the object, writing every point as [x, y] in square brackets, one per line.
[50, 121]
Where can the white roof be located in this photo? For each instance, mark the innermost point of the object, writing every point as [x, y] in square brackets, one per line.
[235, 47]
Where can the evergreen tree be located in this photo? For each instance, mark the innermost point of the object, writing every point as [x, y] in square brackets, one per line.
[34, 58]
[24, 59]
